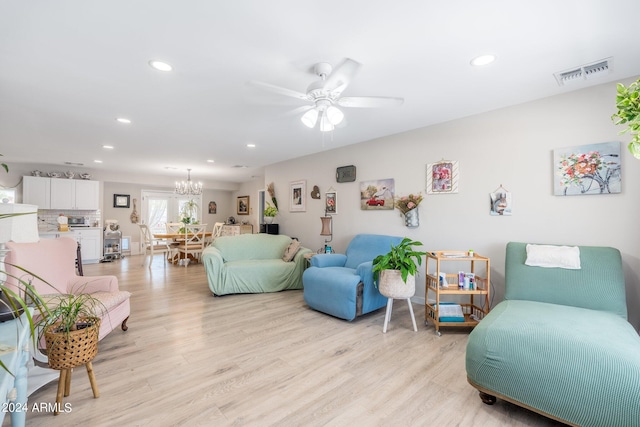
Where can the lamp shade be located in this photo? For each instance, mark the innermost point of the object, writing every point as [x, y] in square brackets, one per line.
[326, 226]
[310, 118]
[18, 223]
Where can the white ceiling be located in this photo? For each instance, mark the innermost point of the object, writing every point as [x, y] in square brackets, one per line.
[68, 68]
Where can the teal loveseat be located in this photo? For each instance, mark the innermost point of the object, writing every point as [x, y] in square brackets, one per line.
[252, 263]
[560, 343]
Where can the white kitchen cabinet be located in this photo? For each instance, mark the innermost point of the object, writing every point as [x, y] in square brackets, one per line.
[36, 190]
[87, 195]
[90, 247]
[88, 238]
[74, 194]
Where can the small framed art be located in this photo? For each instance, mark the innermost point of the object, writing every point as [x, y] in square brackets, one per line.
[331, 202]
[121, 200]
[442, 177]
[242, 205]
[297, 196]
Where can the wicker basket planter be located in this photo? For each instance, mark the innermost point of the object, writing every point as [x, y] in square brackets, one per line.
[392, 286]
[75, 348]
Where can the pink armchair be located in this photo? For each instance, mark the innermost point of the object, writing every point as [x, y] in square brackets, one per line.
[54, 261]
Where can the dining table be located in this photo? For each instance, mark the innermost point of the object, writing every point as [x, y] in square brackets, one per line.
[177, 237]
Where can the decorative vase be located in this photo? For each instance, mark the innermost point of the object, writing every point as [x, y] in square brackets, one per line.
[411, 218]
[269, 219]
[392, 286]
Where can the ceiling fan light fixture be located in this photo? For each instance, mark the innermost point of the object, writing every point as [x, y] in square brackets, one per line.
[325, 124]
[334, 115]
[310, 118]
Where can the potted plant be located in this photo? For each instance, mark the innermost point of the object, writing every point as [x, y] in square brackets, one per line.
[394, 272]
[628, 104]
[408, 205]
[71, 330]
[270, 213]
[70, 320]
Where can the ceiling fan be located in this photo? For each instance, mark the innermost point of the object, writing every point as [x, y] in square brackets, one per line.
[325, 95]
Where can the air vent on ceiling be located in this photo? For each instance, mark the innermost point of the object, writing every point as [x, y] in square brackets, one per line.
[585, 72]
[73, 164]
[240, 166]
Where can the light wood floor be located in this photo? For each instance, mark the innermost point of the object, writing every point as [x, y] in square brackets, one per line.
[267, 360]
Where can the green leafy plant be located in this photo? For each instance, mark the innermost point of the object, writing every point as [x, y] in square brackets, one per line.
[270, 210]
[628, 104]
[70, 312]
[401, 257]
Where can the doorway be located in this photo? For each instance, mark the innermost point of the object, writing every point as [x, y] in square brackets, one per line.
[161, 207]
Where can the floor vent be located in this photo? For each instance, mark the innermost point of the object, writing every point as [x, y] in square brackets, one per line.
[585, 72]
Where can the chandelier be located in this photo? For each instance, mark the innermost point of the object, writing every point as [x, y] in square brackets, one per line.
[188, 187]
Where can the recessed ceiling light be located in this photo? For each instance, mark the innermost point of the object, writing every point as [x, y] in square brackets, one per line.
[210, 161]
[97, 161]
[251, 145]
[123, 120]
[108, 147]
[483, 60]
[160, 66]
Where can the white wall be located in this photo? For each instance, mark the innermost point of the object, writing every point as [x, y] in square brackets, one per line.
[513, 147]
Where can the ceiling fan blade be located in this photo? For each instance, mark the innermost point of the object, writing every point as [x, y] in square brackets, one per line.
[341, 76]
[369, 101]
[279, 90]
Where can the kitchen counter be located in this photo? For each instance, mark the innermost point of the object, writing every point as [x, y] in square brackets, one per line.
[54, 230]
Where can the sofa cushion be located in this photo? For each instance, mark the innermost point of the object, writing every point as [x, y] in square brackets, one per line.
[291, 251]
[257, 276]
[552, 256]
[573, 363]
[252, 246]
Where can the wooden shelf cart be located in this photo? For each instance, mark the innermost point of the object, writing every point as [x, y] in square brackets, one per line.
[478, 298]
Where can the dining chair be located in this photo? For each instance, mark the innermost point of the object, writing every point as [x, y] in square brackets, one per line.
[174, 228]
[194, 242]
[152, 245]
[217, 232]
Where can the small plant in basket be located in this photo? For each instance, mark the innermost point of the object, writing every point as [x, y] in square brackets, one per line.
[71, 329]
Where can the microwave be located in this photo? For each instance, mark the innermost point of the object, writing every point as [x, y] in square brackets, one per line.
[78, 221]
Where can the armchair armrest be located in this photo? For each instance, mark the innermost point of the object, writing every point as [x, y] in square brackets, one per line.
[328, 260]
[91, 284]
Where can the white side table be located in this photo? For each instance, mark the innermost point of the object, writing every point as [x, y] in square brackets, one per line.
[14, 334]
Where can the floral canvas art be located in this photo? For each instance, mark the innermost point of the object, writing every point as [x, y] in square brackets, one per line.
[587, 169]
[442, 177]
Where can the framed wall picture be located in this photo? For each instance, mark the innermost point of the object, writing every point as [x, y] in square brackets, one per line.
[377, 195]
[442, 177]
[587, 169]
[298, 196]
[242, 205]
[121, 200]
[213, 207]
[331, 202]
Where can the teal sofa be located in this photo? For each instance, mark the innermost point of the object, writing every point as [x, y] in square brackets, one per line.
[252, 263]
[560, 344]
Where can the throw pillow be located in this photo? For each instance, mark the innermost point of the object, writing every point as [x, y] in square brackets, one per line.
[550, 256]
[291, 251]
